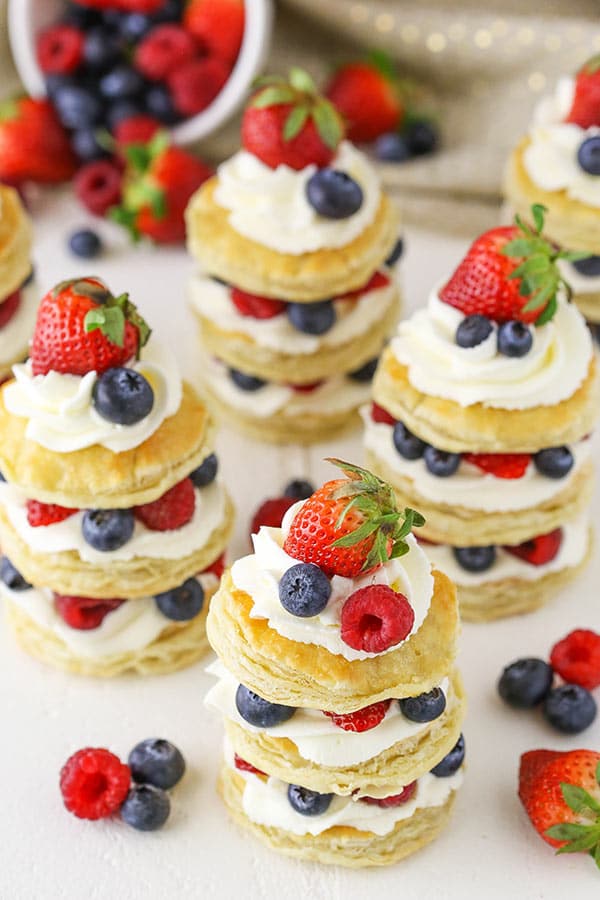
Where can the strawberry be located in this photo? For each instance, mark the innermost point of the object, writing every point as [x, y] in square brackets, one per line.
[307, 388]
[245, 766]
[84, 613]
[502, 465]
[350, 525]
[217, 25]
[577, 658]
[271, 512]
[376, 281]
[81, 327]
[162, 50]
[375, 618]
[195, 84]
[538, 550]
[561, 795]
[404, 796]
[585, 109]
[509, 273]
[46, 513]
[173, 510]
[289, 123]
[367, 95]
[133, 6]
[135, 130]
[34, 146]
[363, 719]
[9, 307]
[255, 306]
[60, 49]
[379, 414]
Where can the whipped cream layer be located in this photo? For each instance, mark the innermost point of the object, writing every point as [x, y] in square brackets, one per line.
[353, 318]
[129, 627]
[269, 206]
[470, 487]
[551, 156]
[313, 733]
[550, 372]
[572, 552]
[334, 395]
[209, 514]
[258, 575]
[15, 335]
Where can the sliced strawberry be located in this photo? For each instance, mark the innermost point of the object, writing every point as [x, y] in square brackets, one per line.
[9, 308]
[171, 511]
[376, 281]
[576, 658]
[538, 550]
[39, 514]
[379, 414]
[306, 388]
[255, 306]
[363, 719]
[84, 613]
[245, 766]
[502, 465]
[400, 799]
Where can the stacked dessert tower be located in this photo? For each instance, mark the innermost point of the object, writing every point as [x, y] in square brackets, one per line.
[111, 518]
[18, 297]
[336, 680]
[295, 294]
[558, 165]
[484, 402]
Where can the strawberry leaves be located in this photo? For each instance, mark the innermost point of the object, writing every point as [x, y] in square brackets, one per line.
[110, 317]
[582, 836]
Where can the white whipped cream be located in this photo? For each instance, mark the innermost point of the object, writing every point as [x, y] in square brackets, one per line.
[334, 395]
[269, 206]
[61, 414]
[209, 513]
[470, 487]
[131, 626]
[579, 284]
[552, 371]
[353, 317]
[15, 335]
[572, 551]
[551, 156]
[259, 574]
[313, 733]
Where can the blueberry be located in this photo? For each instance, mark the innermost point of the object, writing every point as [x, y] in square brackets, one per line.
[307, 802]
[27, 281]
[570, 708]
[146, 807]
[421, 138]
[107, 529]
[424, 708]
[588, 155]
[304, 590]
[77, 107]
[182, 603]
[396, 253]
[55, 82]
[123, 396]
[406, 443]
[11, 577]
[525, 683]
[366, 372]
[157, 762]
[206, 472]
[101, 49]
[112, 18]
[258, 712]
[554, 462]
[333, 194]
[121, 83]
[473, 330]
[86, 145]
[170, 11]
[392, 147]
[440, 462]
[85, 243]
[590, 266]
[246, 382]
[80, 17]
[312, 318]
[514, 338]
[119, 111]
[2, 478]
[452, 762]
[158, 103]
[299, 489]
[475, 559]
[134, 26]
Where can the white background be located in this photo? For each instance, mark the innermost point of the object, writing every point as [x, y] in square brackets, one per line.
[488, 852]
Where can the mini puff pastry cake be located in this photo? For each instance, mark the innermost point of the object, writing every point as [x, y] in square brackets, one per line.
[112, 519]
[336, 680]
[483, 406]
[295, 290]
[557, 164]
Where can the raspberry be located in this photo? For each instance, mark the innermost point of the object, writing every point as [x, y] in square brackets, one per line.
[60, 49]
[577, 658]
[271, 513]
[255, 306]
[94, 783]
[98, 186]
[244, 766]
[378, 280]
[404, 796]
[363, 719]
[538, 550]
[162, 50]
[84, 613]
[195, 84]
[135, 130]
[46, 513]
[173, 510]
[375, 618]
[379, 414]
[9, 307]
[217, 567]
[217, 25]
[502, 465]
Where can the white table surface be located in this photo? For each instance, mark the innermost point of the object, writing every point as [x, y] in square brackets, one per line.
[488, 852]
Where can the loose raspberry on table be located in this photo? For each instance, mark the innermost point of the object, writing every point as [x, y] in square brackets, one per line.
[576, 658]
[94, 783]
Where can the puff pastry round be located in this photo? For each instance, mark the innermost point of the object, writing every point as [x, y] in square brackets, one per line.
[15, 242]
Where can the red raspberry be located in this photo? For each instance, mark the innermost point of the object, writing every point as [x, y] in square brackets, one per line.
[60, 49]
[363, 719]
[135, 130]
[9, 307]
[162, 50]
[84, 613]
[46, 513]
[378, 280]
[375, 618]
[502, 465]
[94, 783]
[173, 510]
[218, 25]
[195, 84]
[306, 388]
[271, 512]
[98, 186]
[379, 414]
[538, 550]
[255, 306]
[244, 766]
[404, 796]
[577, 658]
[217, 567]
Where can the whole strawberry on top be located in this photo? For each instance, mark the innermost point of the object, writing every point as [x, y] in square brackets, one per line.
[34, 146]
[585, 109]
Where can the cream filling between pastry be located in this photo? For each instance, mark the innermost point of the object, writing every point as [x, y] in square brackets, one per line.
[15, 335]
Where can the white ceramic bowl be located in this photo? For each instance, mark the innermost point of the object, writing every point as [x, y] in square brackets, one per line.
[26, 18]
